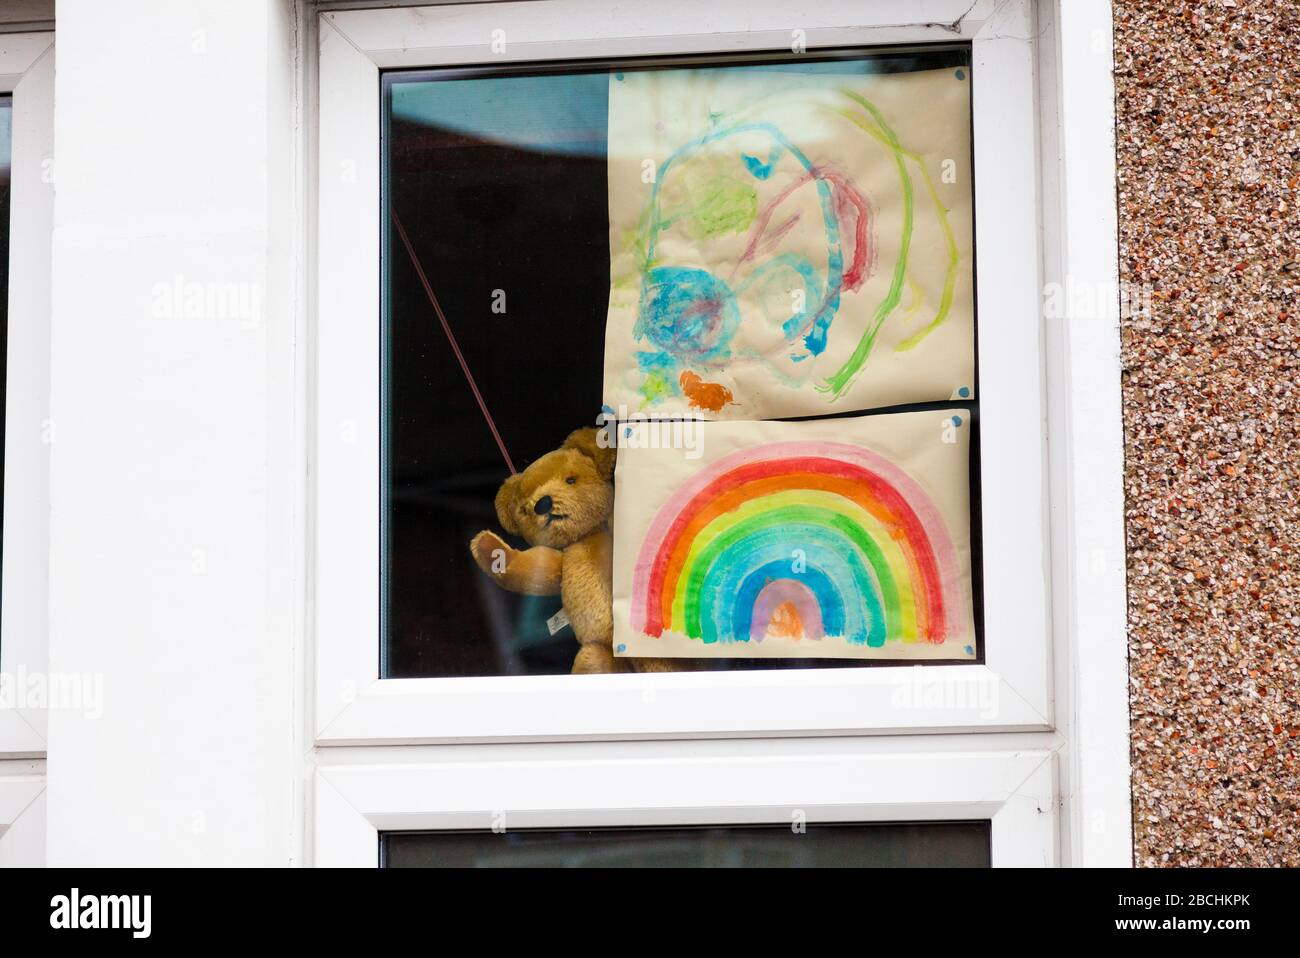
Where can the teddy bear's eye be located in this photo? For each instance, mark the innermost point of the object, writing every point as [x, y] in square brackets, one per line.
[572, 480]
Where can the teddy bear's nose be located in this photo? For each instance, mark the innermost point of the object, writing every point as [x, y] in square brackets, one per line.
[543, 506]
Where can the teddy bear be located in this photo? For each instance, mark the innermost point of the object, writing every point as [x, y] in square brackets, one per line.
[562, 505]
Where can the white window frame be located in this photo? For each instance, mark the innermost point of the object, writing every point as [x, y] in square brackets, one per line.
[593, 785]
[27, 73]
[1053, 519]
[354, 705]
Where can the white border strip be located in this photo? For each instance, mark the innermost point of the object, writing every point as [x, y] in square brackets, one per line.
[27, 71]
[1091, 596]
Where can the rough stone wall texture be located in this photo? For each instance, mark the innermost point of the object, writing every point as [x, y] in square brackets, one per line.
[1209, 159]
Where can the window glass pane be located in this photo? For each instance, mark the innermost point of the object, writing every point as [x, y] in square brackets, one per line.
[497, 190]
[6, 153]
[909, 845]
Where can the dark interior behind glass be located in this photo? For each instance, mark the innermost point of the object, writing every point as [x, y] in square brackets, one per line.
[881, 845]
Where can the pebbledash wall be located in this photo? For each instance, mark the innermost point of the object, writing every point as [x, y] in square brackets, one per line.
[1209, 163]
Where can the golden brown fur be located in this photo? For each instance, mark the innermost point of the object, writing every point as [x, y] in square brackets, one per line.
[562, 505]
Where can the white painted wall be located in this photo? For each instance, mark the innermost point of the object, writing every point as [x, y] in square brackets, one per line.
[176, 473]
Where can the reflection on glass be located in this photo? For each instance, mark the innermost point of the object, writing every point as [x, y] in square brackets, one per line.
[912, 845]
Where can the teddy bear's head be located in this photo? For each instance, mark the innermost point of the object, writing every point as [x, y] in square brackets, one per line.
[564, 496]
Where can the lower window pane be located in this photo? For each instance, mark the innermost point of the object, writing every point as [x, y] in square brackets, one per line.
[896, 845]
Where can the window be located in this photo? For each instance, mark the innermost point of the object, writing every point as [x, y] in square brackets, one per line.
[797, 789]
[358, 411]
[26, 224]
[404, 457]
[498, 182]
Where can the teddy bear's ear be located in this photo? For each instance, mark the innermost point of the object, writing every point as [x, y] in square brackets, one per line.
[593, 443]
[507, 500]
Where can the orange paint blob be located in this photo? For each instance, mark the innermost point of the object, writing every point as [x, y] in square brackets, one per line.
[702, 395]
[785, 623]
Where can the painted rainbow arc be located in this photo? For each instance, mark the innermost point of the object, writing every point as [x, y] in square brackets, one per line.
[807, 539]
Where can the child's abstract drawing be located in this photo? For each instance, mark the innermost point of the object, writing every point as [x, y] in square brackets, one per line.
[845, 538]
[788, 240]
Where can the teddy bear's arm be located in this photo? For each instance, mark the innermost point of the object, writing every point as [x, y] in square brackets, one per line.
[535, 571]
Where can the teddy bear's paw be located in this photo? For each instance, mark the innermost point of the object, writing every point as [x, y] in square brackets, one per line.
[596, 658]
[491, 554]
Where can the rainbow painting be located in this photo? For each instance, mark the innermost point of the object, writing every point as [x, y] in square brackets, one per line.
[805, 547]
